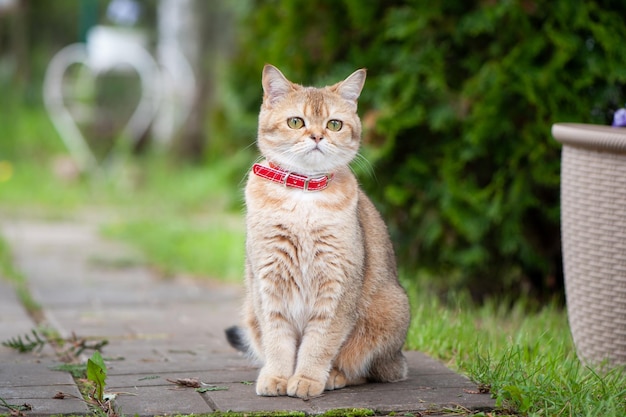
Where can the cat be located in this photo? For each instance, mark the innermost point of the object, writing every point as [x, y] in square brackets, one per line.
[324, 308]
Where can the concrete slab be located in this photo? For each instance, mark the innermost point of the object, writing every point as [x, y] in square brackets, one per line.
[160, 400]
[430, 387]
[36, 384]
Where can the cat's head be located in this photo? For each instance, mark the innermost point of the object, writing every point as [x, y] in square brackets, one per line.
[309, 130]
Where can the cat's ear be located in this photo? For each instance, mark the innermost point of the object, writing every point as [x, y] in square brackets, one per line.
[275, 85]
[350, 88]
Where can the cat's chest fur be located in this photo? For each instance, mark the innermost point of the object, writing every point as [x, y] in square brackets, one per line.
[298, 243]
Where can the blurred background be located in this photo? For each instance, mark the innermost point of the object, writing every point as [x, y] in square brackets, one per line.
[147, 122]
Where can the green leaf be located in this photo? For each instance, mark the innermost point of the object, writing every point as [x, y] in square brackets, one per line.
[97, 373]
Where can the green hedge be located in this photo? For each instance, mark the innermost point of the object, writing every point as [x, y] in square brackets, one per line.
[458, 107]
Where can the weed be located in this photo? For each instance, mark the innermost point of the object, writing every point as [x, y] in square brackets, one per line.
[15, 409]
[9, 272]
[97, 374]
[26, 344]
[67, 349]
[90, 378]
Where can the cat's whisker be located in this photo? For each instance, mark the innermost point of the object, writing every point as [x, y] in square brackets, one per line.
[244, 178]
[250, 145]
[364, 165]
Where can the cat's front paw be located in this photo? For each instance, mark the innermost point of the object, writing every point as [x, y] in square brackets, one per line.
[336, 380]
[304, 387]
[271, 386]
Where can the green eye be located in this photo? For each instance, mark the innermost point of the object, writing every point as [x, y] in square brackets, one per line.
[295, 122]
[334, 125]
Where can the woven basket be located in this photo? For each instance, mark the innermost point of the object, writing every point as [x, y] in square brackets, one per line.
[593, 227]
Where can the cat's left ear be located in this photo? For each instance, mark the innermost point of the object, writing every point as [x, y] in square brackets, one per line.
[351, 87]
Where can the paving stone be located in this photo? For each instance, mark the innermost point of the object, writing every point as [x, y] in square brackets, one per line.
[49, 406]
[430, 386]
[228, 362]
[435, 400]
[34, 374]
[160, 378]
[242, 398]
[160, 400]
[36, 384]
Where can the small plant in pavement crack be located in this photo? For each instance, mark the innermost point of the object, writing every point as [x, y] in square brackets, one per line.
[68, 349]
[91, 380]
[15, 410]
[26, 344]
[97, 374]
[94, 388]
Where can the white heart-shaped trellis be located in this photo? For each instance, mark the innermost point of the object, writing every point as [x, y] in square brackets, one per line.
[104, 52]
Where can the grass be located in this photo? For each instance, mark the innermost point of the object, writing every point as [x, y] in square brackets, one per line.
[525, 357]
[18, 281]
[214, 248]
[188, 219]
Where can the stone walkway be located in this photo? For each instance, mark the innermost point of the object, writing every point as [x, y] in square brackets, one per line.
[164, 328]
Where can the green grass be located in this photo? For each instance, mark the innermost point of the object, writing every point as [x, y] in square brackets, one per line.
[17, 280]
[524, 356]
[212, 249]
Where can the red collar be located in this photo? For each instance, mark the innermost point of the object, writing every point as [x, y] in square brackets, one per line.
[289, 179]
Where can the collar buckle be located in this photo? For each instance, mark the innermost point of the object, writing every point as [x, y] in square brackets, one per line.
[285, 183]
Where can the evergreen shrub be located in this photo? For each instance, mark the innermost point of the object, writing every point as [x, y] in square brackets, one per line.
[457, 108]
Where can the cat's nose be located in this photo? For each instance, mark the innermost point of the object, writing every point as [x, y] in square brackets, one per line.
[316, 138]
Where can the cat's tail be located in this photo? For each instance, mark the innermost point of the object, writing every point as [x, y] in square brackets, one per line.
[236, 336]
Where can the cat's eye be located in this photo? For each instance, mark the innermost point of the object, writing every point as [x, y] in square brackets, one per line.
[295, 122]
[334, 125]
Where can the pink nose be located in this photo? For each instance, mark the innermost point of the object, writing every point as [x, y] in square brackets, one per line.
[316, 138]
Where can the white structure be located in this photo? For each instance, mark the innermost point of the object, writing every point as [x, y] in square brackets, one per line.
[167, 89]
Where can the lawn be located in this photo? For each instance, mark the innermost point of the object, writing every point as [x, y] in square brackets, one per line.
[189, 219]
[524, 356]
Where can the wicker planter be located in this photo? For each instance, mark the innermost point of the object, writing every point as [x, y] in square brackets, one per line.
[593, 227]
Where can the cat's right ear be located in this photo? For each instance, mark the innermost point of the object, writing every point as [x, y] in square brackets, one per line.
[275, 85]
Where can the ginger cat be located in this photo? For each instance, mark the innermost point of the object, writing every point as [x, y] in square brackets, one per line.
[324, 307]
